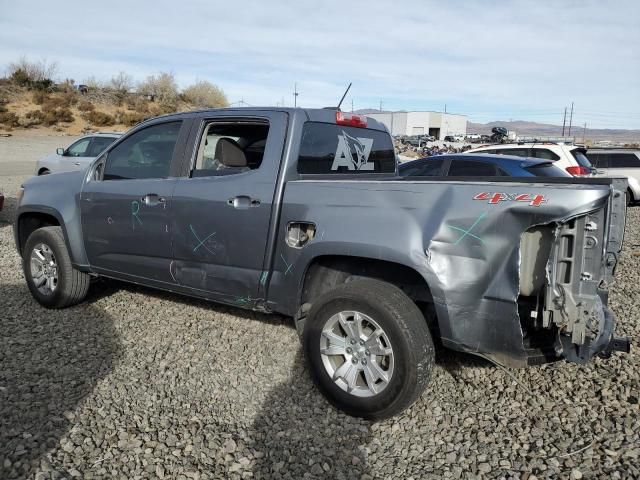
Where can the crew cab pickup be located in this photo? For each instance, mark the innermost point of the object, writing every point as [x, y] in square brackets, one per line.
[301, 212]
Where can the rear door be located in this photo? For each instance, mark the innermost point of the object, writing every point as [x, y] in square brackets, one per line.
[126, 204]
[222, 206]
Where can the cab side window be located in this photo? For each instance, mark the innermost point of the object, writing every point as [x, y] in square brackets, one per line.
[229, 148]
[145, 154]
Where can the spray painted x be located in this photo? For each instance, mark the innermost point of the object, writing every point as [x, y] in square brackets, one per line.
[201, 242]
[467, 232]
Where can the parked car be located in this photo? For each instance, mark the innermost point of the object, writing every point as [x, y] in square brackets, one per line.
[418, 140]
[619, 162]
[571, 158]
[301, 212]
[76, 156]
[480, 165]
[449, 138]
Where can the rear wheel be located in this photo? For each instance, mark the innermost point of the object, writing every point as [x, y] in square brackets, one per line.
[51, 278]
[369, 348]
[629, 197]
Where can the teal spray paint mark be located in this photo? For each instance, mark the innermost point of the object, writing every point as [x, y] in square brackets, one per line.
[135, 208]
[467, 232]
[263, 278]
[201, 242]
[243, 300]
[289, 267]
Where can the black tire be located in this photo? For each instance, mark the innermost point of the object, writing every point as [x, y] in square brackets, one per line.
[72, 284]
[629, 197]
[44, 171]
[406, 329]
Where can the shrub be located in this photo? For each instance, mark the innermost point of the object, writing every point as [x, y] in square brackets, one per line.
[138, 103]
[62, 101]
[121, 83]
[34, 117]
[9, 119]
[57, 115]
[86, 106]
[40, 97]
[131, 119]
[36, 75]
[99, 119]
[206, 95]
[162, 88]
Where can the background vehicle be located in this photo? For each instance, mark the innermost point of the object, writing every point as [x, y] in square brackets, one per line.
[76, 156]
[571, 158]
[619, 162]
[480, 165]
[301, 212]
[418, 140]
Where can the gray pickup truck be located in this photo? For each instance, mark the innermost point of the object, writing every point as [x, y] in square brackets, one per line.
[301, 212]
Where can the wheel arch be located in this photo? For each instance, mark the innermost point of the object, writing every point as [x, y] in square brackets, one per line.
[28, 221]
[325, 272]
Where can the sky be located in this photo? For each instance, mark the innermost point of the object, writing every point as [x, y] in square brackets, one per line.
[491, 60]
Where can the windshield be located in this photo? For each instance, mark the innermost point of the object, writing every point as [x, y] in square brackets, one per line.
[581, 158]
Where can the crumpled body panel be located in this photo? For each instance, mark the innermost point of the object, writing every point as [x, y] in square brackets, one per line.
[462, 238]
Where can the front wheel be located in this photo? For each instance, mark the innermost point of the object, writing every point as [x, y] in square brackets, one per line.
[369, 348]
[51, 278]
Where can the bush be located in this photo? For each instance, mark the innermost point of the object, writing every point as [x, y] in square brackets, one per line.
[9, 119]
[131, 119]
[99, 119]
[206, 95]
[32, 118]
[162, 88]
[86, 106]
[40, 97]
[36, 75]
[138, 103]
[57, 115]
[64, 100]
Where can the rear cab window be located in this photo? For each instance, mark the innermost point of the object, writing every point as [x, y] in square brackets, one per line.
[336, 149]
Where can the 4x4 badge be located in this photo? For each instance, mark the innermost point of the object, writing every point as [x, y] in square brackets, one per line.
[535, 199]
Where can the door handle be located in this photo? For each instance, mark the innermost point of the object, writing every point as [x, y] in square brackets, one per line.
[243, 201]
[77, 163]
[152, 199]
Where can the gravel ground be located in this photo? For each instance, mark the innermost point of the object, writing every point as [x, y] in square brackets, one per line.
[135, 383]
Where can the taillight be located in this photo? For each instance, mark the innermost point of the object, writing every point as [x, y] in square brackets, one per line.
[578, 171]
[351, 120]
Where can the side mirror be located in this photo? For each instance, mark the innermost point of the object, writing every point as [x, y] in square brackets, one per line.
[60, 151]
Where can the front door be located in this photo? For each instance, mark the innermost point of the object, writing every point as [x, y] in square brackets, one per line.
[222, 208]
[127, 202]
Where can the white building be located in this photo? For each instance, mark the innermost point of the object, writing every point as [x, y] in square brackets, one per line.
[438, 124]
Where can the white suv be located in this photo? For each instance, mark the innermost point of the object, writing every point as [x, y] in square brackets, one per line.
[619, 162]
[570, 158]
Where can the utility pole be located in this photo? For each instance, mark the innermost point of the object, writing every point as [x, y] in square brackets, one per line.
[295, 95]
[352, 105]
[584, 133]
[570, 119]
[445, 108]
[564, 120]
[380, 105]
